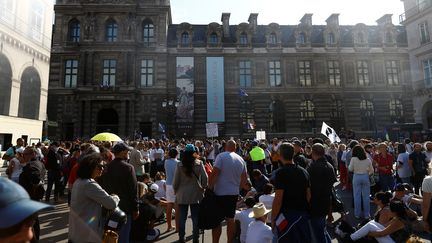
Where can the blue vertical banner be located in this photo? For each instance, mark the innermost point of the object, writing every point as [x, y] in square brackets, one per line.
[215, 89]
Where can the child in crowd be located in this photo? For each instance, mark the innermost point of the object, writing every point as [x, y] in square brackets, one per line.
[161, 182]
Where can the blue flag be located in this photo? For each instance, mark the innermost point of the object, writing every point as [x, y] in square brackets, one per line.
[243, 93]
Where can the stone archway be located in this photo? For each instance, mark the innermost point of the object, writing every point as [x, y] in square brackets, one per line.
[427, 115]
[107, 121]
[5, 84]
[30, 91]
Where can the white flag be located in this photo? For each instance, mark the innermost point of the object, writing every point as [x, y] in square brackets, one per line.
[329, 132]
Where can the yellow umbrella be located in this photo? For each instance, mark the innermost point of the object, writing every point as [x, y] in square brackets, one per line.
[106, 136]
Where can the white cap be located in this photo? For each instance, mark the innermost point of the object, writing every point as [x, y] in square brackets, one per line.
[154, 187]
[19, 150]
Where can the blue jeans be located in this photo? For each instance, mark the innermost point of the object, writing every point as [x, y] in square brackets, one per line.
[183, 217]
[386, 182]
[318, 225]
[125, 230]
[361, 190]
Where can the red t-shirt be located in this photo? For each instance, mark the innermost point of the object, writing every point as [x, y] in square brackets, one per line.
[386, 162]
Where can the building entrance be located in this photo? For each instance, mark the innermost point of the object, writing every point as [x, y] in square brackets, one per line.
[107, 121]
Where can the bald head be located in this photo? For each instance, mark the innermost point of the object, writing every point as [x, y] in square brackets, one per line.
[231, 146]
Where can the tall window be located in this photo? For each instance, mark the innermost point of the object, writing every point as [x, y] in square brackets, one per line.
[337, 114]
[213, 39]
[301, 38]
[71, 73]
[148, 33]
[146, 72]
[275, 73]
[392, 73]
[362, 73]
[361, 38]
[7, 10]
[334, 73]
[388, 37]
[243, 39]
[305, 77]
[109, 72]
[111, 30]
[74, 31]
[424, 33]
[307, 115]
[36, 20]
[427, 69]
[185, 39]
[367, 115]
[245, 74]
[331, 39]
[272, 39]
[277, 116]
[396, 111]
[247, 115]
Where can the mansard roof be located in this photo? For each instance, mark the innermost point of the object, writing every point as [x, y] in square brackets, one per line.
[317, 38]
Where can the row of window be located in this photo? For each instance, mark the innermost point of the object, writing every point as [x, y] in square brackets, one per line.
[245, 69]
[305, 73]
[307, 114]
[111, 31]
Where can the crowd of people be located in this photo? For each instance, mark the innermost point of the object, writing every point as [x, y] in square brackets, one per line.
[282, 190]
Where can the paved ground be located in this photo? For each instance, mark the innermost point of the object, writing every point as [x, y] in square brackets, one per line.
[54, 223]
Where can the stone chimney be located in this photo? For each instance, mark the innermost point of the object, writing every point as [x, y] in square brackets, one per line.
[306, 20]
[225, 24]
[333, 20]
[384, 20]
[253, 21]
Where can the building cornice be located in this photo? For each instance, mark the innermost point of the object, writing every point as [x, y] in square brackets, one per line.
[24, 47]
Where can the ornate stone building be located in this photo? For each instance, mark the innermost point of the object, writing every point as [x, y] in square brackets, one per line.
[25, 41]
[123, 66]
[417, 20]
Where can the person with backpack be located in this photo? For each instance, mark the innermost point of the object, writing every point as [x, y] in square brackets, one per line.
[31, 178]
[53, 165]
[11, 151]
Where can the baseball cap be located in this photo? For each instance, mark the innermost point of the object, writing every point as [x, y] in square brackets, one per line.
[15, 204]
[20, 150]
[121, 146]
[154, 188]
[190, 148]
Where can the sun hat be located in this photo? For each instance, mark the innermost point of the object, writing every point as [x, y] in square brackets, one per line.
[259, 210]
[15, 204]
[120, 147]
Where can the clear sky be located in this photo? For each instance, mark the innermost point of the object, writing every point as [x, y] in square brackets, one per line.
[285, 12]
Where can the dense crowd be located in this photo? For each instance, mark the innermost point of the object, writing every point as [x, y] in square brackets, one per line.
[280, 190]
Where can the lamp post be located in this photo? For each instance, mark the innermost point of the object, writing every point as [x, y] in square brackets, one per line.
[170, 107]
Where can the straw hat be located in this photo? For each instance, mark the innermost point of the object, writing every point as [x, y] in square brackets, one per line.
[259, 210]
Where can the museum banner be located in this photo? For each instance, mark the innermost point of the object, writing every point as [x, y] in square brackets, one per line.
[215, 90]
[185, 95]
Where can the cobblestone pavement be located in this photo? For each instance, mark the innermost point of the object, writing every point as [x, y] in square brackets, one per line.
[54, 223]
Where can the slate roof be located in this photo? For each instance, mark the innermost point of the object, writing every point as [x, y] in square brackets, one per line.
[287, 36]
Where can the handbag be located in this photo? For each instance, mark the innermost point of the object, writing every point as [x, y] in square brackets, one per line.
[208, 216]
[337, 204]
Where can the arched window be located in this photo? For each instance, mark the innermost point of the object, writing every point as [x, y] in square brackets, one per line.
[307, 115]
[396, 111]
[337, 114]
[361, 38]
[301, 39]
[29, 98]
[247, 115]
[148, 32]
[243, 39]
[5, 84]
[367, 115]
[331, 39]
[74, 31]
[185, 39]
[111, 30]
[277, 116]
[213, 39]
[272, 39]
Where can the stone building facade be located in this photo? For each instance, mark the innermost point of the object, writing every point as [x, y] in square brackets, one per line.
[131, 69]
[417, 20]
[25, 41]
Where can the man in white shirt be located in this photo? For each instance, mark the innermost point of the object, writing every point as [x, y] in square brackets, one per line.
[258, 231]
[244, 219]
